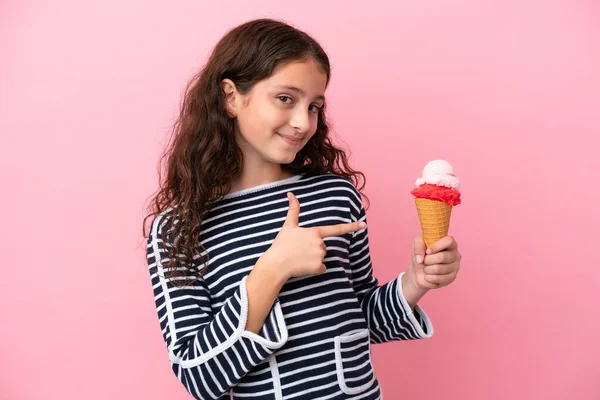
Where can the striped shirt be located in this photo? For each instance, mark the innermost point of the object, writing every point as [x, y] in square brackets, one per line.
[315, 342]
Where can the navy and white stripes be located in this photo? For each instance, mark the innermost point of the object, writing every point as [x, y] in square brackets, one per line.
[315, 343]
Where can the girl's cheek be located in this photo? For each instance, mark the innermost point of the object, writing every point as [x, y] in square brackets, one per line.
[277, 116]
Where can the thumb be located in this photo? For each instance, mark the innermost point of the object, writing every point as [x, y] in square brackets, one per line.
[419, 248]
[293, 212]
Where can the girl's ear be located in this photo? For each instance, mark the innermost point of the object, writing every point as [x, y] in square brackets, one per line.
[231, 94]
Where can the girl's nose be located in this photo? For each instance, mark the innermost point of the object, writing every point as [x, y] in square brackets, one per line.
[300, 120]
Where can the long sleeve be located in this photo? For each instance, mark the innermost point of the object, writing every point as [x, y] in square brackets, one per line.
[386, 310]
[209, 349]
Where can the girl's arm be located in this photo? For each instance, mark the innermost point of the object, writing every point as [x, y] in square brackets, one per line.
[263, 286]
[212, 349]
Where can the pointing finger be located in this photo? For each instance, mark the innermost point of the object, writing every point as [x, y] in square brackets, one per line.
[340, 229]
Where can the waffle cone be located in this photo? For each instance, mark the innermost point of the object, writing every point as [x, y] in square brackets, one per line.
[435, 219]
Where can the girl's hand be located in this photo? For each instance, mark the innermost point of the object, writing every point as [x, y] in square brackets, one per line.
[300, 251]
[435, 267]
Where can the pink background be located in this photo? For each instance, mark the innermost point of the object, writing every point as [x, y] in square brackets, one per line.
[507, 91]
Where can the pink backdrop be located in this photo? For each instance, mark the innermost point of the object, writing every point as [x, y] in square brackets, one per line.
[507, 91]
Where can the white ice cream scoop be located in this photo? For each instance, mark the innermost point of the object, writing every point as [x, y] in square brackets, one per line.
[440, 173]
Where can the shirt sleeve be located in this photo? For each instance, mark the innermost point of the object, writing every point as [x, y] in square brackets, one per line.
[210, 349]
[386, 310]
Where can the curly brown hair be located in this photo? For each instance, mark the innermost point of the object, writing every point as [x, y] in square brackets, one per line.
[202, 159]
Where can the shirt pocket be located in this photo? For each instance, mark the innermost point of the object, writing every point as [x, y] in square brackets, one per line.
[355, 372]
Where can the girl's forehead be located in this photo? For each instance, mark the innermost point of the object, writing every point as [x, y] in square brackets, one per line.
[307, 76]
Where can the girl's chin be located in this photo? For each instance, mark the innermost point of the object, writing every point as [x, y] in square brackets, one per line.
[283, 157]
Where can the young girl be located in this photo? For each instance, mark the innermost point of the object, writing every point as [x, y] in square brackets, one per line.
[258, 249]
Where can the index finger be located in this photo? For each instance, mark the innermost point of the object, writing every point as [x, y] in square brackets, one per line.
[445, 243]
[340, 229]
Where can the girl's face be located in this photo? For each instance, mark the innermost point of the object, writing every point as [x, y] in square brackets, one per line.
[279, 115]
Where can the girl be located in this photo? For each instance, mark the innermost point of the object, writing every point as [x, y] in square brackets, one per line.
[258, 249]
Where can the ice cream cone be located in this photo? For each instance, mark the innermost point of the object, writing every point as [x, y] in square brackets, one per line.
[435, 219]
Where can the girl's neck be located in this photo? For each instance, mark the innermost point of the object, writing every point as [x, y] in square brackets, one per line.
[251, 177]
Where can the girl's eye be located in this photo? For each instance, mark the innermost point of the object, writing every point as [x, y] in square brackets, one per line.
[288, 100]
[285, 99]
[314, 108]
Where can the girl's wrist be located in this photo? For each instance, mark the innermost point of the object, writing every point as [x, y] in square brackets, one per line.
[411, 290]
[270, 266]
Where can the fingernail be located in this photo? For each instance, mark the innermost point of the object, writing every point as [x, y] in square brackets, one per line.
[428, 251]
[418, 259]
[362, 224]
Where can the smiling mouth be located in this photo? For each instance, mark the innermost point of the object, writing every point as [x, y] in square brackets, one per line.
[290, 139]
